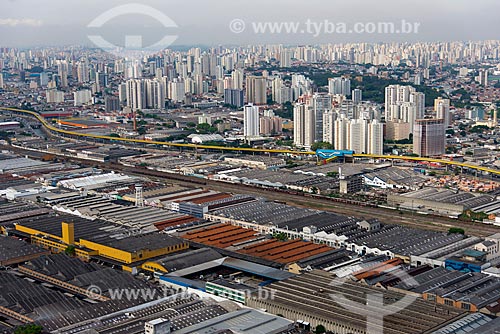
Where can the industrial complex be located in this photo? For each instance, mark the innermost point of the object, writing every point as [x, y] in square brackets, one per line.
[262, 189]
[148, 254]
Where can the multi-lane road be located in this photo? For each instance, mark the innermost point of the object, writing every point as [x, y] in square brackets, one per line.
[75, 134]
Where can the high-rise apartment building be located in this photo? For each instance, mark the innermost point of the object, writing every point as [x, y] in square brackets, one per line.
[342, 133]
[329, 118]
[285, 58]
[429, 137]
[234, 97]
[366, 137]
[250, 121]
[360, 135]
[155, 94]
[339, 85]
[357, 95]
[122, 93]
[270, 125]
[320, 104]
[136, 95]
[83, 73]
[82, 97]
[111, 103]
[256, 90]
[403, 104]
[375, 138]
[483, 77]
[303, 125]
[442, 109]
[176, 90]
[395, 95]
[54, 96]
[237, 79]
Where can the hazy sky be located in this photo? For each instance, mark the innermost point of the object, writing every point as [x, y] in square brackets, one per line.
[206, 22]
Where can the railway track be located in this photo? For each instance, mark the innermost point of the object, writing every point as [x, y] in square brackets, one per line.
[74, 134]
[414, 220]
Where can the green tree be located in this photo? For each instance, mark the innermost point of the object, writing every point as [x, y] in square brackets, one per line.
[321, 145]
[286, 110]
[479, 129]
[5, 134]
[206, 128]
[280, 236]
[456, 230]
[320, 329]
[70, 250]
[28, 329]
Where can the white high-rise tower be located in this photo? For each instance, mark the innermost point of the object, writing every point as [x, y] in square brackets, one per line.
[250, 121]
[304, 124]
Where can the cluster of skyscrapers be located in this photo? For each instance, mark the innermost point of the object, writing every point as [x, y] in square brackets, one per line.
[343, 123]
[351, 124]
[403, 105]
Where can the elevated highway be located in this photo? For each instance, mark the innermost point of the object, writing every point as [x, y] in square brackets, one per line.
[57, 130]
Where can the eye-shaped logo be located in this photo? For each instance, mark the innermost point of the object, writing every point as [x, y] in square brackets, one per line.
[375, 309]
[132, 42]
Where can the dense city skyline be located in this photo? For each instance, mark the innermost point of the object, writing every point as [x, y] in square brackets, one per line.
[249, 167]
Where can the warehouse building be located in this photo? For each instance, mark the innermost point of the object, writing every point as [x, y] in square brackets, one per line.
[245, 321]
[394, 178]
[473, 292]
[182, 260]
[360, 236]
[99, 240]
[258, 162]
[8, 126]
[13, 164]
[248, 242]
[13, 211]
[184, 314]
[53, 304]
[14, 251]
[475, 323]
[438, 201]
[437, 257]
[307, 297]
[279, 179]
[143, 218]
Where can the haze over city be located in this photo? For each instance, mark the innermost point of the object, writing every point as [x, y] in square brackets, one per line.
[58, 22]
